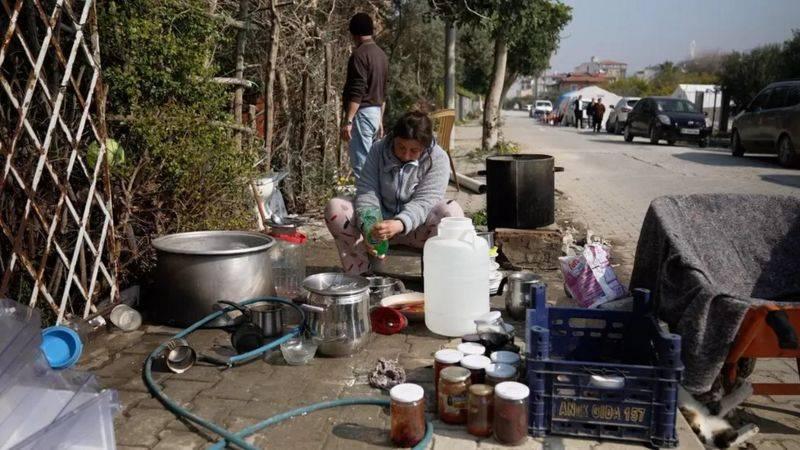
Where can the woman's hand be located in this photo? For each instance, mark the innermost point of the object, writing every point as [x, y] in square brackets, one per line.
[387, 229]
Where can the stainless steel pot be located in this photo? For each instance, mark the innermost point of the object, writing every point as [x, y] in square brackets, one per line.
[268, 316]
[337, 307]
[518, 297]
[382, 287]
[195, 270]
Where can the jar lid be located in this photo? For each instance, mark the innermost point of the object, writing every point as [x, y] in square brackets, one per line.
[511, 390]
[448, 356]
[481, 390]
[335, 284]
[454, 374]
[471, 338]
[490, 317]
[498, 370]
[295, 237]
[475, 362]
[407, 393]
[505, 357]
[471, 348]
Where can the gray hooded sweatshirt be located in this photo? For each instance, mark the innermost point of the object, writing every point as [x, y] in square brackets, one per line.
[403, 191]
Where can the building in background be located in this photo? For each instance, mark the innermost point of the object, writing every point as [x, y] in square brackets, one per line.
[647, 73]
[575, 81]
[521, 87]
[612, 70]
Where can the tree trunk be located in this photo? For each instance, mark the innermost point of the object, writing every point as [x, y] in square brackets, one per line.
[491, 110]
[327, 99]
[241, 37]
[508, 80]
[450, 65]
[269, 85]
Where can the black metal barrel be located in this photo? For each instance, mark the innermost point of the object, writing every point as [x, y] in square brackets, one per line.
[520, 191]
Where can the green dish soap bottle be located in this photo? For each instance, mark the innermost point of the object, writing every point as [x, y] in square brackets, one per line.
[368, 217]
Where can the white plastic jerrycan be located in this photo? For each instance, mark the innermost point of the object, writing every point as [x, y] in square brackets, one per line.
[456, 278]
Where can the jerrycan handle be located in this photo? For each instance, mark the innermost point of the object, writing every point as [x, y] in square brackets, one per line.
[458, 228]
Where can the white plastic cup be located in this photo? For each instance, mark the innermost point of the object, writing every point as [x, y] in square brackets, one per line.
[126, 318]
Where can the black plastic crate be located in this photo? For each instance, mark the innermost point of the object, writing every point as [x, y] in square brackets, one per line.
[602, 374]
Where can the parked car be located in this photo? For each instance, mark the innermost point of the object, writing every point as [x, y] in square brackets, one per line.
[668, 118]
[541, 108]
[770, 124]
[619, 114]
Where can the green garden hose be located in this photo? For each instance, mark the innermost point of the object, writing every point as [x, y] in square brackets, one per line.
[228, 437]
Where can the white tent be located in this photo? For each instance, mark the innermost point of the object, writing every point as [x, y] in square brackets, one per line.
[594, 92]
[691, 91]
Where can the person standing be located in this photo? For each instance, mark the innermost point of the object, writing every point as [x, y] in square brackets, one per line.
[578, 113]
[599, 112]
[364, 93]
[590, 114]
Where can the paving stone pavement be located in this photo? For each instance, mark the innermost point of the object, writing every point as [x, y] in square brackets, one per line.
[606, 187]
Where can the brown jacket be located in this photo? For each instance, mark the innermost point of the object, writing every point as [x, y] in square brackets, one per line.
[599, 110]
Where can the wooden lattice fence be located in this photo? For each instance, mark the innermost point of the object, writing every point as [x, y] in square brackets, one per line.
[57, 246]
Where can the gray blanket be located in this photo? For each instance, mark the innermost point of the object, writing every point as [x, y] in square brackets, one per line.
[707, 259]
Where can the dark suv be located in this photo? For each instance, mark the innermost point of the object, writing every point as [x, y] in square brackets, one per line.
[668, 118]
[770, 124]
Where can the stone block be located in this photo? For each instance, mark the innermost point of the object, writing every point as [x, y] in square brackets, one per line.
[123, 366]
[130, 399]
[529, 249]
[141, 426]
[180, 440]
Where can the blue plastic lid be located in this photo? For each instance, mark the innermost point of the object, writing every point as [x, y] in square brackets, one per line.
[61, 346]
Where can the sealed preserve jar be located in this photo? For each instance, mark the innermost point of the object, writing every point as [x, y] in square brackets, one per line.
[511, 412]
[408, 414]
[499, 373]
[453, 385]
[471, 348]
[441, 360]
[505, 357]
[476, 364]
[481, 410]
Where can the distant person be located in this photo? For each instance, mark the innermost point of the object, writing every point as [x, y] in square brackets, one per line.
[364, 94]
[599, 112]
[578, 113]
[590, 114]
[405, 177]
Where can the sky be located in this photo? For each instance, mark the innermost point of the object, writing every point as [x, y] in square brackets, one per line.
[647, 32]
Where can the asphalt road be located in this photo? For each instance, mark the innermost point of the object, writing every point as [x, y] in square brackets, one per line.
[611, 182]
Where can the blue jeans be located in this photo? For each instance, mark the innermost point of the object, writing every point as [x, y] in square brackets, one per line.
[365, 128]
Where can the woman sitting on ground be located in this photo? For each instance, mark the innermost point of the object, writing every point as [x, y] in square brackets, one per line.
[405, 176]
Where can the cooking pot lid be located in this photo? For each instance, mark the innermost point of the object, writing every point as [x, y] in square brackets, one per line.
[335, 284]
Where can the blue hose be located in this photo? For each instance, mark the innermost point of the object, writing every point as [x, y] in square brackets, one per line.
[238, 438]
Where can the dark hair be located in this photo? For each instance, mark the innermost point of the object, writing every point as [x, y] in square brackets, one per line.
[361, 25]
[414, 125]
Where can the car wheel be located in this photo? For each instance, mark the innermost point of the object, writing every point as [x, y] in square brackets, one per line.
[703, 143]
[737, 149]
[653, 135]
[671, 142]
[628, 134]
[786, 154]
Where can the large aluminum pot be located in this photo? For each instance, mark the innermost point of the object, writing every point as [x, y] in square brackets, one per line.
[195, 270]
[337, 312]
